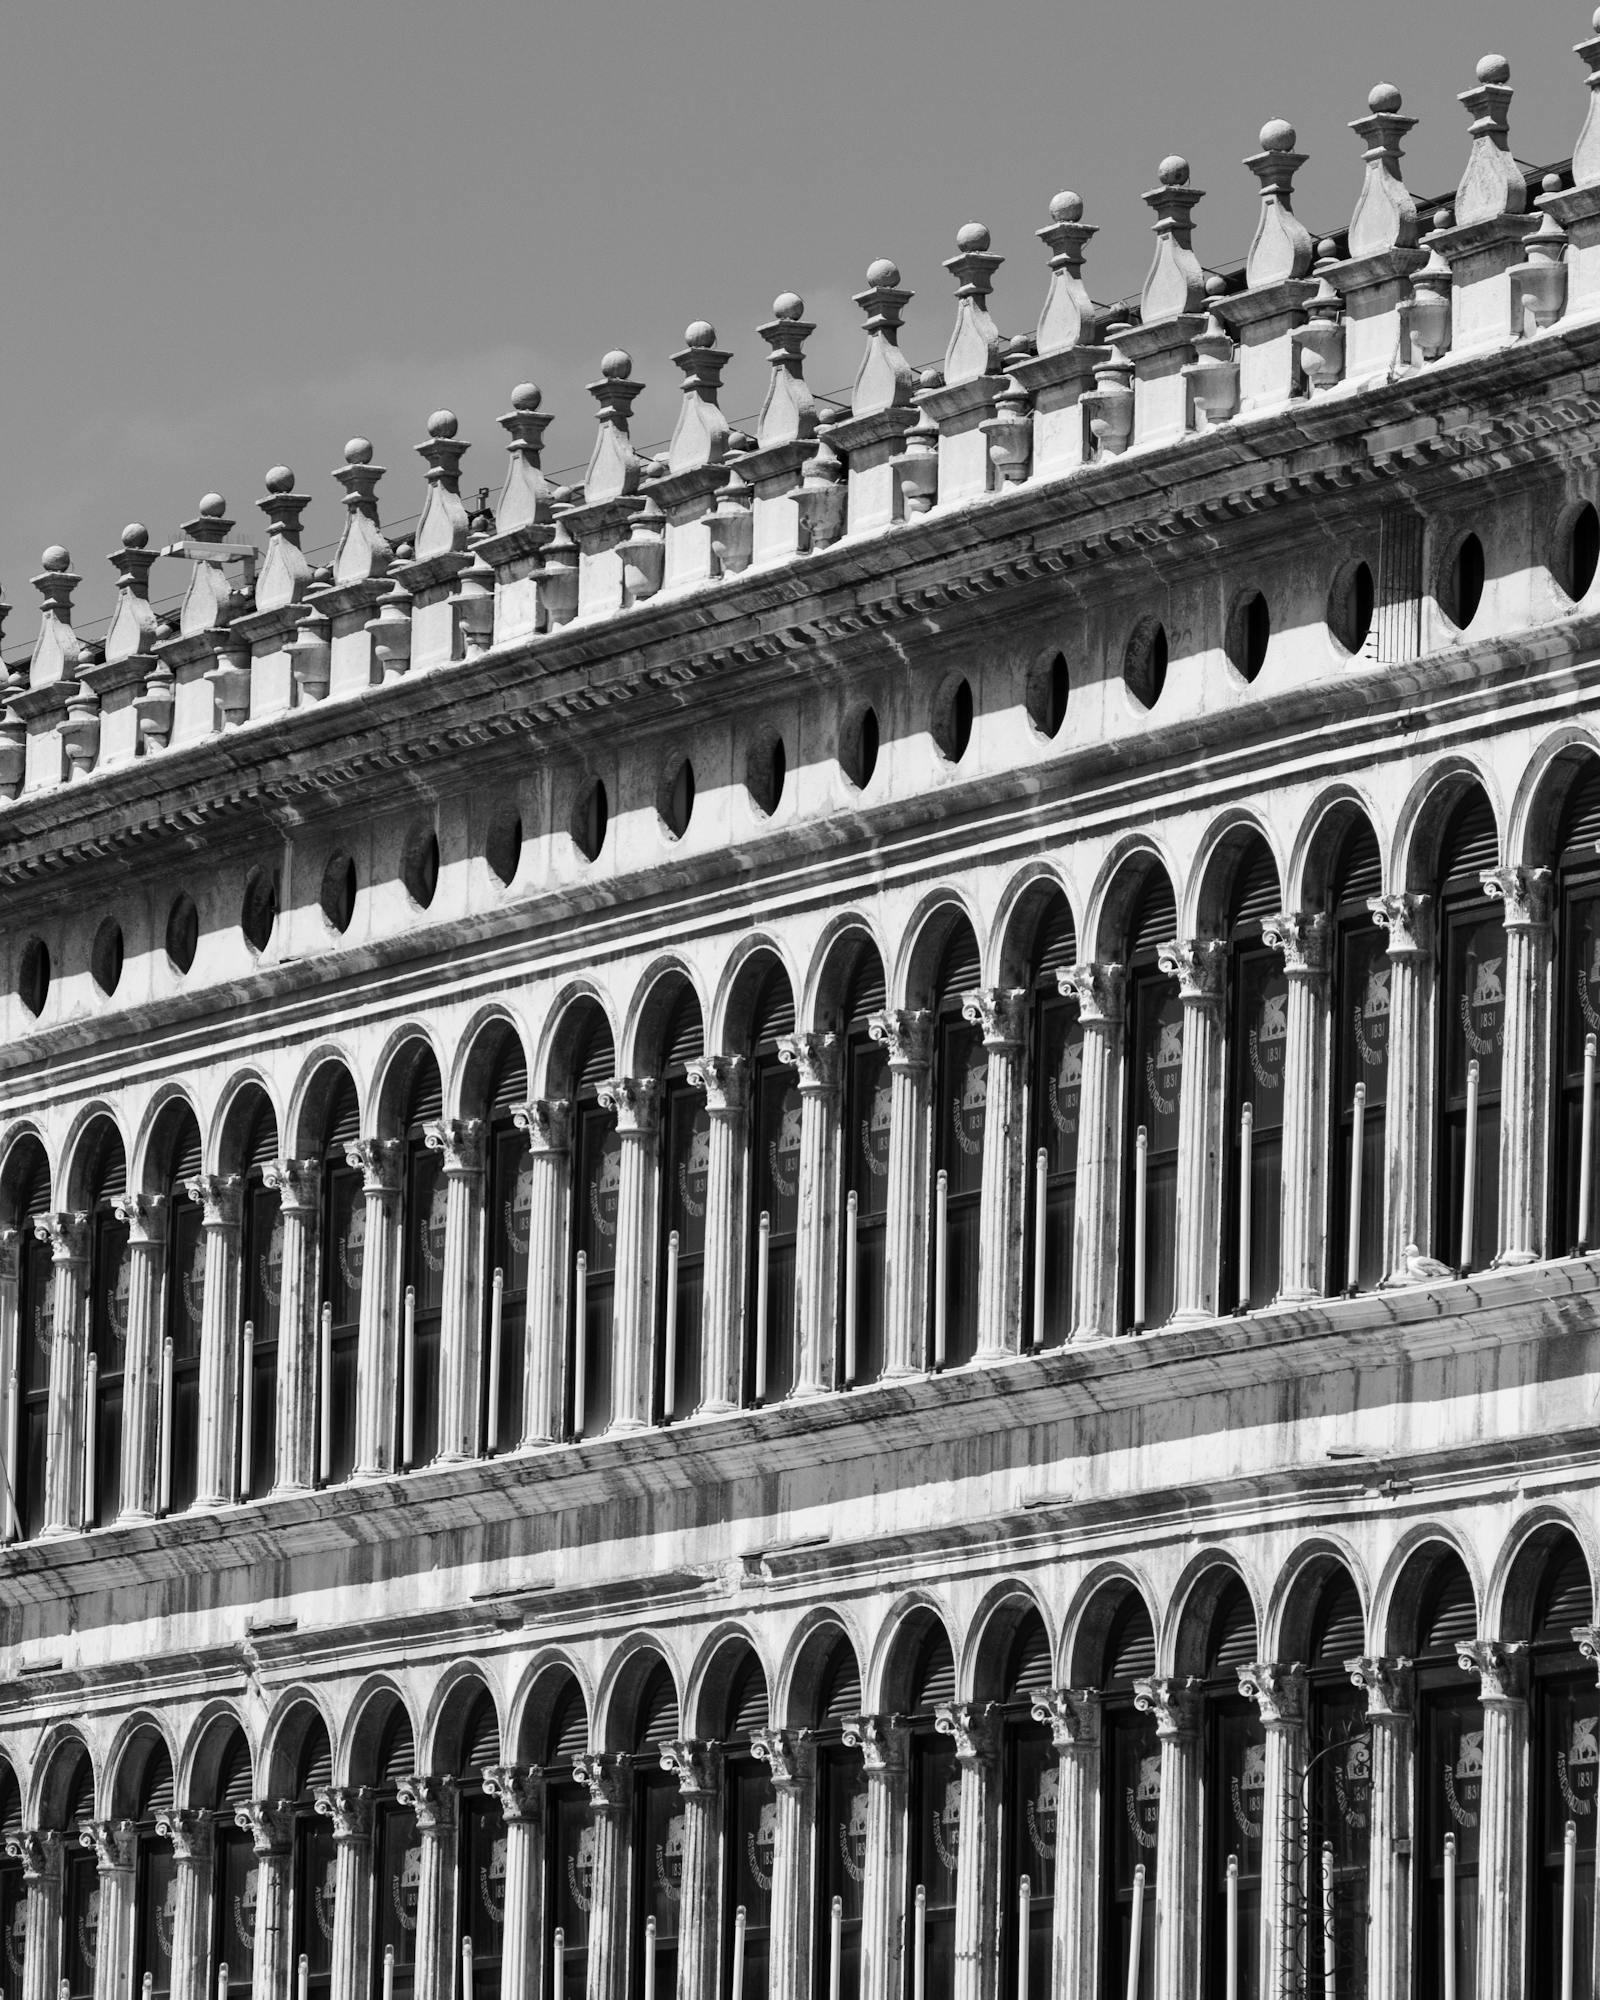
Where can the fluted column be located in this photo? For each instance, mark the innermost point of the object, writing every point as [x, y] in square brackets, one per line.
[548, 1124]
[218, 1199]
[1199, 965]
[1307, 1069]
[10, 1357]
[39, 1851]
[637, 1104]
[606, 1779]
[350, 1809]
[114, 1847]
[1178, 1836]
[190, 1834]
[433, 1801]
[68, 1237]
[520, 1791]
[1000, 1012]
[908, 1036]
[815, 1061]
[1073, 1718]
[1502, 1672]
[460, 1140]
[882, 1742]
[1408, 1111]
[1097, 1227]
[1388, 1689]
[725, 1083]
[298, 1184]
[970, 1726]
[146, 1217]
[377, 1344]
[1279, 1693]
[1525, 1061]
[697, 1767]
[792, 1759]
[270, 1825]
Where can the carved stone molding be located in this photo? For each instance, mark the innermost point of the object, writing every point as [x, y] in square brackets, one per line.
[815, 1058]
[350, 1809]
[1278, 1691]
[1170, 1701]
[1098, 988]
[907, 1034]
[519, 1788]
[460, 1140]
[547, 1122]
[1072, 1716]
[724, 1081]
[1409, 921]
[432, 1800]
[1302, 939]
[1198, 964]
[1001, 1013]
[636, 1103]
[881, 1739]
[970, 1725]
[270, 1825]
[1387, 1683]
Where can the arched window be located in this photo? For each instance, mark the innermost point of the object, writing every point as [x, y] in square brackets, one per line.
[934, 1841]
[261, 1289]
[1338, 1790]
[1234, 1747]
[36, 1318]
[510, 1203]
[960, 1110]
[685, 1164]
[1361, 1064]
[1472, 958]
[155, 1875]
[184, 1294]
[1154, 1097]
[13, 1888]
[233, 1893]
[866, 1174]
[1449, 1780]
[596, 1182]
[108, 1333]
[750, 1817]
[1258, 1011]
[1130, 1766]
[657, 1837]
[344, 1255]
[80, 1888]
[1029, 1778]
[1057, 1091]
[314, 1862]
[422, 1224]
[774, 1184]
[396, 1860]
[841, 1843]
[1565, 1795]
[480, 1899]
[1577, 1124]
[568, 1844]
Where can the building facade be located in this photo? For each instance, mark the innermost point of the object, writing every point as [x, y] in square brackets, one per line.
[818, 1222]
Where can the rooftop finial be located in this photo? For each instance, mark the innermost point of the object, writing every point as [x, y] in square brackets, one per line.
[976, 347]
[525, 496]
[788, 410]
[285, 573]
[884, 380]
[1068, 319]
[1176, 284]
[1281, 247]
[442, 527]
[362, 551]
[615, 468]
[1385, 215]
[700, 436]
[1586, 153]
[1492, 185]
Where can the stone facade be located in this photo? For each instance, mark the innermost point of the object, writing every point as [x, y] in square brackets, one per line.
[817, 1222]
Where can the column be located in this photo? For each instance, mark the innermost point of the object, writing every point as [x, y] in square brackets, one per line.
[350, 1809]
[882, 1742]
[725, 1083]
[10, 1362]
[1525, 1072]
[606, 1779]
[1503, 1831]
[1388, 1686]
[1408, 1115]
[433, 1801]
[1199, 965]
[1098, 990]
[39, 1851]
[815, 1061]
[146, 1217]
[637, 1106]
[460, 1140]
[999, 1011]
[190, 1834]
[548, 1124]
[1073, 1718]
[1279, 1693]
[907, 1034]
[298, 1184]
[971, 1727]
[218, 1196]
[697, 1767]
[1178, 1838]
[520, 1790]
[792, 1758]
[68, 1237]
[377, 1359]
[270, 1825]
[113, 1843]
[1307, 1057]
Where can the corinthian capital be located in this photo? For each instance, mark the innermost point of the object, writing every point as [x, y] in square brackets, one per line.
[999, 1011]
[1409, 921]
[113, 1842]
[269, 1823]
[350, 1809]
[600, 1773]
[786, 1752]
[907, 1033]
[144, 1214]
[1502, 1669]
[189, 1832]
[217, 1197]
[67, 1233]
[1277, 1691]
[1198, 965]
[378, 1162]
[1525, 893]
[1387, 1682]
[296, 1183]
[519, 1788]
[1072, 1716]
[432, 1800]
[635, 1102]
[881, 1739]
[1171, 1703]
[547, 1122]
[970, 1726]
[460, 1140]
[694, 1765]
[39, 1851]
[1302, 939]
[815, 1058]
[1097, 988]
[723, 1080]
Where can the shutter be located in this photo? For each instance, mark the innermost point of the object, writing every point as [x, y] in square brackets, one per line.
[234, 1785]
[1358, 872]
[747, 1700]
[110, 1175]
[315, 1766]
[773, 1013]
[934, 1678]
[155, 1785]
[1256, 894]
[1470, 843]
[36, 1195]
[596, 1062]
[1155, 916]
[10, 1804]
[1580, 816]
[481, 1737]
[864, 991]
[397, 1757]
[1029, 1669]
[569, 1726]
[425, 1099]
[1055, 946]
[1233, 1633]
[684, 1038]
[186, 1152]
[958, 970]
[1449, 1610]
[1566, 1596]
[261, 1140]
[658, 1712]
[840, 1692]
[509, 1087]
[1338, 1631]
[344, 1126]
[80, 1798]
[1130, 1645]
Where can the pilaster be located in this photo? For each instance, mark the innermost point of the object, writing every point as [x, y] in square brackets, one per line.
[970, 1725]
[1178, 1838]
[145, 1216]
[349, 1807]
[520, 1792]
[1279, 1693]
[67, 1234]
[999, 1011]
[1388, 1689]
[907, 1035]
[460, 1141]
[636, 1103]
[1199, 966]
[1525, 1076]
[882, 1742]
[1302, 939]
[39, 1851]
[218, 1198]
[192, 1926]
[548, 1124]
[115, 1850]
[1408, 1113]
[724, 1080]
[791, 1757]
[1098, 990]
[1073, 1718]
[605, 1778]
[270, 1825]
[433, 1801]
[815, 1059]
[697, 1768]
[298, 1183]
[1502, 1672]
[377, 1357]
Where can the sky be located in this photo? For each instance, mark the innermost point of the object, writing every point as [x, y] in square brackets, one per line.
[235, 236]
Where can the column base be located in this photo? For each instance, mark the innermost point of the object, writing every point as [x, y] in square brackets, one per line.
[622, 1427]
[1510, 1258]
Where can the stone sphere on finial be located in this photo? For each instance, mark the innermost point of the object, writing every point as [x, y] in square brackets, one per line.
[135, 535]
[1066, 207]
[442, 424]
[699, 333]
[972, 236]
[526, 397]
[1327, 250]
[881, 272]
[931, 378]
[56, 558]
[1494, 69]
[1383, 97]
[212, 506]
[1444, 218]
[1551, 184]
[1173, 171]
[788, 305]
[1216, 286]
[280, 480]
[1278, 136]
[617, 365]
[358, 452]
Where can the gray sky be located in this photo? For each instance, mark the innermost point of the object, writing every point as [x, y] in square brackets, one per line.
[234, 235]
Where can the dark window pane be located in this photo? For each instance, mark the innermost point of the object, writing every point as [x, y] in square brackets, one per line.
[934, 1851]
[315, 1880]
[841, 1866]
[238, 1881]
[1131, 1765]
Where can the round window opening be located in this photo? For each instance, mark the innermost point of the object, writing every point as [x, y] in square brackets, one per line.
[1048, 687]
[33, 975]
[1249, 629]
[503, 849]
[1583, 551]
[259, 911]
[419, 866]
[861, 758]
[105, 956]
[338, 896]
[183, 931]
[677, 804]
[1466, 581]
[591, 816]
[1350, 606]
[953, 731]
[1145, 668]
[767, 774]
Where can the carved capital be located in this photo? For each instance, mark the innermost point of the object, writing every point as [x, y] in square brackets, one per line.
[1525, 893]
[432, 1800]
[1278, 1691]
[296, 1182]
[270, 1825]
[1588, 1643]
[460, 1140]
[788, 1753]
[602, 1776]
[145, 1216]
[9, 1238]
[350, 1809]
[547, 1122]
[217, 1197]
[1171, 1703]
[378, 1161]
[694, 1765]
[724, 1080]
[815, 1059]
[636, 1103]
[1387, 1682]
[1072, 1716]
[907, 1033]
[1302, 939]
[519, 1788]
[1001, 1013]
[1097, 988]
[39, 1851]
[67, 1233]
[1502, 1669]
[112, 1841]
[881, 1739]
[1198, 965]
[189, 1832]
[970, 1726]
[1408, 920]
